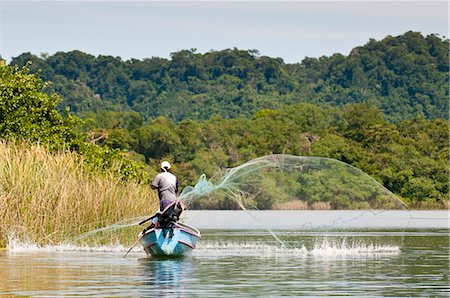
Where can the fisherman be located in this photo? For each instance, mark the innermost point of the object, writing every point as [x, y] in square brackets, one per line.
[169, 208]
[167, 185]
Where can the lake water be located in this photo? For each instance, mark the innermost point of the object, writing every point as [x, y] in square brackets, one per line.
[391, 253]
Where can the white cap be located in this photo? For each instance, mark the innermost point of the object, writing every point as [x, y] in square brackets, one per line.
[165, 165]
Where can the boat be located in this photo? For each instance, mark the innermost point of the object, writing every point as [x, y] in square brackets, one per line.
[168, 237]
[178, 240]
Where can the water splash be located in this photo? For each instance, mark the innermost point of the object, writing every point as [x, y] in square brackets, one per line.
[321, 249]
[18, 246]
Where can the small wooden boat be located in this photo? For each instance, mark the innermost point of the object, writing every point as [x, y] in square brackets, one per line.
[178, 240]
[167, 236]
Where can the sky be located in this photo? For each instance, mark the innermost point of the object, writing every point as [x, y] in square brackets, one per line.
[291, 30]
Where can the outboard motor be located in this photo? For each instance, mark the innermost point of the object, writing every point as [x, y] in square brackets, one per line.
[170, 215]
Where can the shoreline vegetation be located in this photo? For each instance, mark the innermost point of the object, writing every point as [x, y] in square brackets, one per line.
[48, 197]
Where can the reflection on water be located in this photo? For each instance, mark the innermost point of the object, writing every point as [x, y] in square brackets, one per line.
[166, 277]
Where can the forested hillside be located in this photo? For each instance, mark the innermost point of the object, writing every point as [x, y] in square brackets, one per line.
[405, 76]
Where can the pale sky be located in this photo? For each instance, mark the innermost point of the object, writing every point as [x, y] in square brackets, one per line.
[291, 30]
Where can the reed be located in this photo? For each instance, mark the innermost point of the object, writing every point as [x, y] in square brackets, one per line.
[47, 198]
[302, 205]
[321, 206]
[447, 204]
[292, 205]
[431, 205]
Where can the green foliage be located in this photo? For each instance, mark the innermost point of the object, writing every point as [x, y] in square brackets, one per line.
[28, 113]
[403, 76]
[101, 159]
[409, 158]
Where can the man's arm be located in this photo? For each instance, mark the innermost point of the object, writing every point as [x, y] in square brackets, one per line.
[155, 183]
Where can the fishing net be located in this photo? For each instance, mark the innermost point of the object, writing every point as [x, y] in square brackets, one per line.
[283, 182]
[291, 182]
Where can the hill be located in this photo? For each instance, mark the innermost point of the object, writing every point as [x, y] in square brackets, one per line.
[405, 76]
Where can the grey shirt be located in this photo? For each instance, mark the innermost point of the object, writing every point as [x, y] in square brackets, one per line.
[167, 185]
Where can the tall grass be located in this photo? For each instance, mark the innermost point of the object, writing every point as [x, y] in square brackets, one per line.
[302, 205]
[292, 205]
[47, 198]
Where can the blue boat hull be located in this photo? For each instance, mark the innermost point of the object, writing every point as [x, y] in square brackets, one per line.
[177, 241]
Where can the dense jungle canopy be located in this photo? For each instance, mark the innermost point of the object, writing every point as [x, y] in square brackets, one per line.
[404, 76]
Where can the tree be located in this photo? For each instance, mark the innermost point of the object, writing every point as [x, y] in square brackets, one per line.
[26, 112]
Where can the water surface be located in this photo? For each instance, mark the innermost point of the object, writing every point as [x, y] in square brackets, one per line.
[243, 261]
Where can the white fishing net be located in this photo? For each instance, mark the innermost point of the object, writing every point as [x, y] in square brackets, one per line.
[292, 182]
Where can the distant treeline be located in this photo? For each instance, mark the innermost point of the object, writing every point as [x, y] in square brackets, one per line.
[404, 76]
